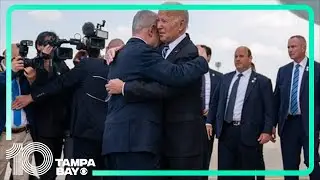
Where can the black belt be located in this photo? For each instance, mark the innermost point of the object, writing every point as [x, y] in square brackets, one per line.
[233, 123]
[19, 130]
[293, 116]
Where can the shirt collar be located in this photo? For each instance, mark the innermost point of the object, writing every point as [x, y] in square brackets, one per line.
[174, 43]
[2, 64]
[244, 73]
[303, 63]
[140, 39]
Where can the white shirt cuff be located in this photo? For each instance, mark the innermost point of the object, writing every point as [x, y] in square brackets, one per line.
[123, 89]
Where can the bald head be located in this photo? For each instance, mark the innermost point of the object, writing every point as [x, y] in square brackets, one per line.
[115, 43]
[242, 58]
[14, 52]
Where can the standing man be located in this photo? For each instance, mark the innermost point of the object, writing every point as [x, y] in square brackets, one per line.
[184, 132]
[209, 83]
[21, 118]
[292, 107]
[244, 116]
[138, 125]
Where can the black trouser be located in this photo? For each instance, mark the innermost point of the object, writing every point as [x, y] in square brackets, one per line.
[132, 161]
[235, 155]
[261, 165]
[55, 145]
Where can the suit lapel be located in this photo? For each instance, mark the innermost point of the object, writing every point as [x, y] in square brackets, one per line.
[176, 50]
[252, 82]
[305, 77]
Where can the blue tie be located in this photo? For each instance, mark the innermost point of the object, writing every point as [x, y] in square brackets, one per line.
[16, 113]
[294, 92]
[164, 51]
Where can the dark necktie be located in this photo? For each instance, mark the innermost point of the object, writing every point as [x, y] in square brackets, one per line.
[164, 51]
[232, 100]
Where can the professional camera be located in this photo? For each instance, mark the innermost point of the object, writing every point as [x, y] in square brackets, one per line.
[36, 62]
[95, 38]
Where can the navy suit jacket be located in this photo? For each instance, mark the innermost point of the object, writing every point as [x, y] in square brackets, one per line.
[215, 77]
[87, 82]
[257, 113]
[137, 126]
[2, 101]
[25, 89]
[282, 96]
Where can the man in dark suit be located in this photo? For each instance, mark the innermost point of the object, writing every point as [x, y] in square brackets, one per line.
[292, 107]
[89, 106]
[138, 125]
[184, 135]
[243, 115]
[209, 83]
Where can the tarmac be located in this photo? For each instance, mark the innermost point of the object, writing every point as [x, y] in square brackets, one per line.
[272, 157]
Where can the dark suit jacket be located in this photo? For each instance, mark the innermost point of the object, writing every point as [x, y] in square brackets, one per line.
[25, 89]
[215, 77]
[52, 114]
[183, 127]
[282, 96]
[2, 101]
[88, 107]
[257, 113]
[134, 127]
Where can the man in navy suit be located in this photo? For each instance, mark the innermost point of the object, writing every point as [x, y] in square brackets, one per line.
[21, 118]
[242, 114]
[133, 131]
[209, 83]
[292, 108]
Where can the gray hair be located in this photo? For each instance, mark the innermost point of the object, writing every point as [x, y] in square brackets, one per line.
[184, 12]
[143, 19]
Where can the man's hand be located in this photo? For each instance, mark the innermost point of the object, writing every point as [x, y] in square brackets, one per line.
[209, 131]
[111, 53]
[264, 138]
[17, 64]
[79, 55]
[47, 49]
[21, 101]
[30, 74]
[115, 86]
[274, 136]
[202, 52]
[205, 112]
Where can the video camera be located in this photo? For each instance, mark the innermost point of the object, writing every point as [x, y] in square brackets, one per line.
[59, 53]
[94, 38]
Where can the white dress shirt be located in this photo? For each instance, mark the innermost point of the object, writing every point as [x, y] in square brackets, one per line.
[302, 68]
[207, 89]
[241, 92]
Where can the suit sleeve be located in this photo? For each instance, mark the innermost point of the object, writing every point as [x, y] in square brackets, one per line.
[213, 106]
[267, 100]
[167, 73]
[140, 91]
[277, 100]
[3, 77]
[62, 82]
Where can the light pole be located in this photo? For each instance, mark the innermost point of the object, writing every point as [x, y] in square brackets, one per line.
[218, 65]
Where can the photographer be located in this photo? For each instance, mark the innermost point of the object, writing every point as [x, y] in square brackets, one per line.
[89, 107]
[51, 115]
[22, 118]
